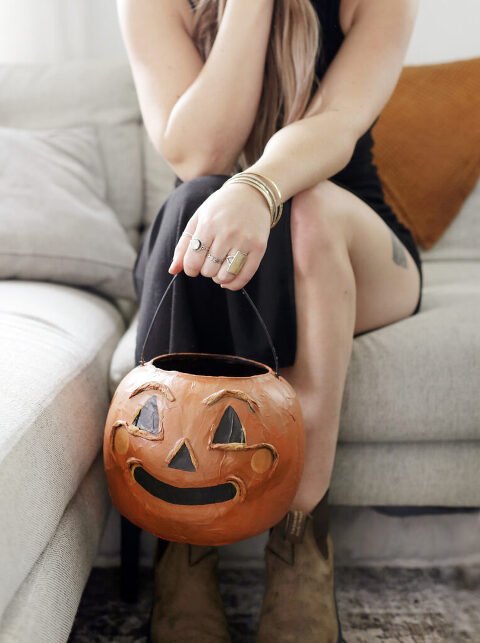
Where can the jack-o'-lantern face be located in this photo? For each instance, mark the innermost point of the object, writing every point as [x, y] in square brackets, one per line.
[202, 458]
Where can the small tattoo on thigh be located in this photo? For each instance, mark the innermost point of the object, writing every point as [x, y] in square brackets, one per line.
[399, 253]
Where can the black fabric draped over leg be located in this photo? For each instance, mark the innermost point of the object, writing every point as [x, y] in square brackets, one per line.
[198, 315]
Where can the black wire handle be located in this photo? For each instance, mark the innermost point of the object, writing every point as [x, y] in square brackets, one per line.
[244, 292]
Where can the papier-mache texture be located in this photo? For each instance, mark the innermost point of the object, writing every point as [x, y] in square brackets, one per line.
[204, 449]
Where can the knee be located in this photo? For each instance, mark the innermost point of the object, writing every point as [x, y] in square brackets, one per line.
[195, 191]
[178, 208]
[185, 199]
[316, 227]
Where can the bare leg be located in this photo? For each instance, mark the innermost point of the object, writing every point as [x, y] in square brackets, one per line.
[349, 277]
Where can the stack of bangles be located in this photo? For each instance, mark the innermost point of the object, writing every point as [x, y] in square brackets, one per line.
[267, 188]
[272, 196]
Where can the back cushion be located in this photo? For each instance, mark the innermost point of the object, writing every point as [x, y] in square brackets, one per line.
[427, 145]
[84, 93]
[159, 179]
[461, 240]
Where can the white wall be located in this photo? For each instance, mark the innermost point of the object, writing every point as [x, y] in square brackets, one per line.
[51, 30]
[445, 30]
[55, 30]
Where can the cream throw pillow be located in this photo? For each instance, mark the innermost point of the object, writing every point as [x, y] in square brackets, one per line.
[54, 222]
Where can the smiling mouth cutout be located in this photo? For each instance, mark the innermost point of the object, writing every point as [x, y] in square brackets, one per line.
[184, 495]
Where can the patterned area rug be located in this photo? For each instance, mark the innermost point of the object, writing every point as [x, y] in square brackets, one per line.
[392, 605]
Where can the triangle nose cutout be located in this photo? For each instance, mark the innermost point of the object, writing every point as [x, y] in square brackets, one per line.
[182, 460]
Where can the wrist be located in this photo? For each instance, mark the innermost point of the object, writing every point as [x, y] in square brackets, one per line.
[266, 187]
[246, 191]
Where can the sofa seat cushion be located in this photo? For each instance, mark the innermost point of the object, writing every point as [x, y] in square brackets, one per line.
[429, 474]
[417, 379]
[414, 380]
[56, 344]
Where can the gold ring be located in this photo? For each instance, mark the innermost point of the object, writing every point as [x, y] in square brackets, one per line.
[236, 262]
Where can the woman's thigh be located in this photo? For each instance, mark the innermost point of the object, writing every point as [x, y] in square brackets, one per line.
[387, 279]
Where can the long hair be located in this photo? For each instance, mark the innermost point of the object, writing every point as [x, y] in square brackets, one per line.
[289, 78]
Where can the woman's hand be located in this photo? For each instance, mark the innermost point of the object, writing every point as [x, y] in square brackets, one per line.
[235, 217]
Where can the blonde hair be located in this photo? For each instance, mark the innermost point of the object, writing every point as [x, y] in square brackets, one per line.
[289, 80]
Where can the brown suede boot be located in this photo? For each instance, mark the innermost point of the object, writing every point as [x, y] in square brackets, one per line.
[299, 602]
[187, 605]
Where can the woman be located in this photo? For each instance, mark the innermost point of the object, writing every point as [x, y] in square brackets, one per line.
[288, 90]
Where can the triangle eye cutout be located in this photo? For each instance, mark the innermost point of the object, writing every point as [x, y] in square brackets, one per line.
[230, 429]
[147, 418]
[182, 460]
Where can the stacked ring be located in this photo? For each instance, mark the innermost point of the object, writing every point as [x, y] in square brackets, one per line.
[214, 259]
[236, 261]
[197, 245]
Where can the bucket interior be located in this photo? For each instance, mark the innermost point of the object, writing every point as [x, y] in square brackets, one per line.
[214, 365]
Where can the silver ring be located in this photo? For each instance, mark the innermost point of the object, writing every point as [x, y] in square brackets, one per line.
[229, 258]
[214, 259]
[197, 245]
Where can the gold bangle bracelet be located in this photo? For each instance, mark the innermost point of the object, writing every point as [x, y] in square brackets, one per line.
[261, 188]
[263, 184]
[267, 193]
[265, 190]
[278, 208]
[275, 193]
[271, 181]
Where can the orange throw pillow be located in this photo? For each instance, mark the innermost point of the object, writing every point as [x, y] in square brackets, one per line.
[427, 145]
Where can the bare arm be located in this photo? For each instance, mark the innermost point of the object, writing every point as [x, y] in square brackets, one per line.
[198, 115]
[353, 92]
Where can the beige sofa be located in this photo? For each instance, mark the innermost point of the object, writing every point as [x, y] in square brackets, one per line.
[410, 427]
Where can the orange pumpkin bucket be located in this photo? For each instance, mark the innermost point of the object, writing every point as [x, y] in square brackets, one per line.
[202, 448]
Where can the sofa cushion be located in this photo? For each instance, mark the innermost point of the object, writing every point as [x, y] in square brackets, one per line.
[417, 379]
[123, 359]
[54, 222]
[67, 94]
[441, 474]
[159, 180]
[427, 145]
[121, 149]
[461, 240]
[65, 563]
[56, 344]
[414, 380]
[75, 93]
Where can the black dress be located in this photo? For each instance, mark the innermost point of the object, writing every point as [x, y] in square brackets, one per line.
[198, 315]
